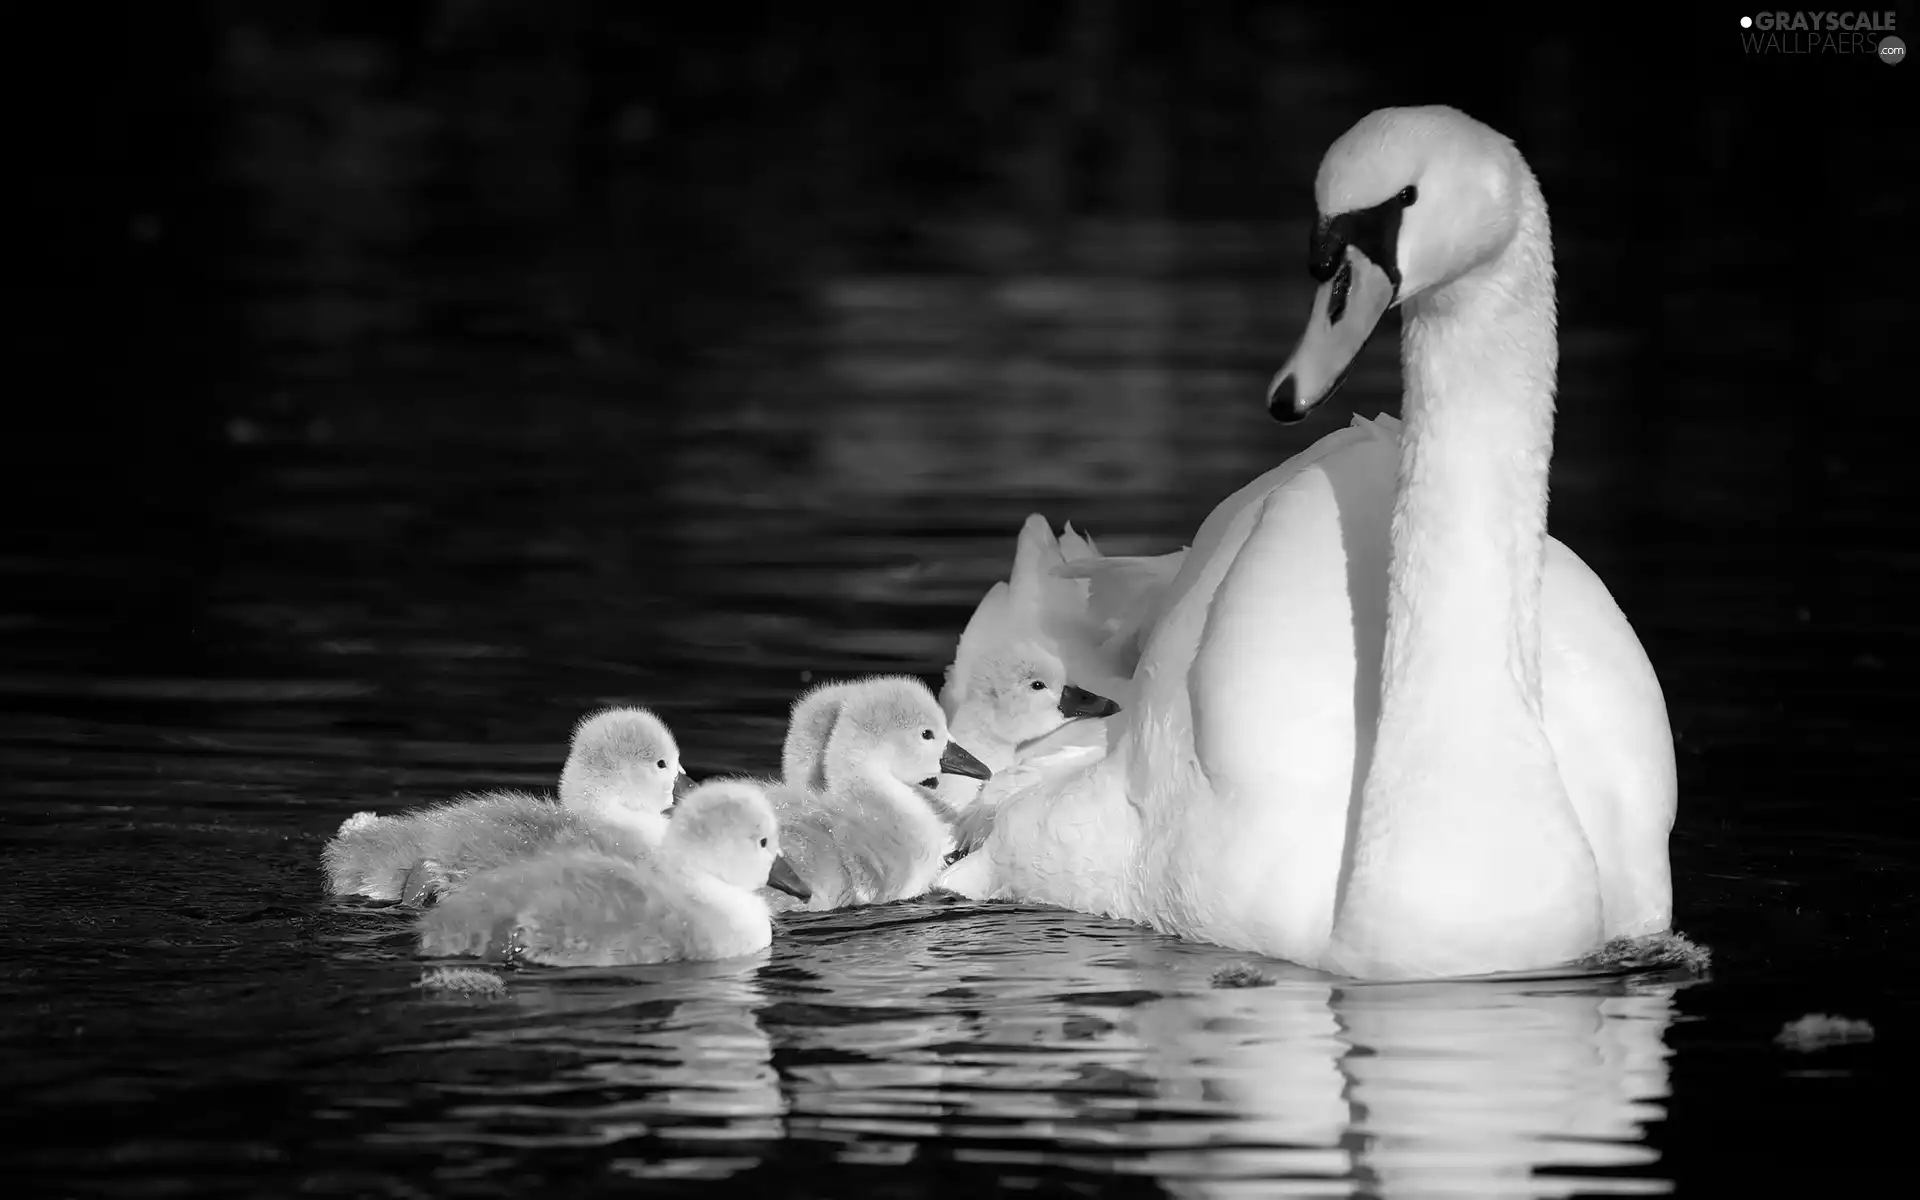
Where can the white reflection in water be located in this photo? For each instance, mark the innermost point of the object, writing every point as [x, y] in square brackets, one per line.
[1041, 1039]
[672, 1059]
[1479, 1086]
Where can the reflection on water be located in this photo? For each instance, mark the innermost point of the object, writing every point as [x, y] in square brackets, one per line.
[1110, 1051]
[679, 1055]
[541, 381]
[967, 1043]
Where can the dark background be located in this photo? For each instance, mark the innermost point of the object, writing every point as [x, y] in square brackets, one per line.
[578, 229]
[689, 163]
[397, 380]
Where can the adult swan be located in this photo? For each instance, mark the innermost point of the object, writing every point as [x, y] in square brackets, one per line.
[1386, 727]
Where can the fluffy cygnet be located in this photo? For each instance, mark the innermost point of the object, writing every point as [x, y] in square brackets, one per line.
[691, 897]
[1006, 698]
[869, 832]
[621, 775]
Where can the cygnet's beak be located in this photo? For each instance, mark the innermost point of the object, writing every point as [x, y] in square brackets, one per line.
[1079, 702]
[682, 784]
[782, 877]
[956, 761]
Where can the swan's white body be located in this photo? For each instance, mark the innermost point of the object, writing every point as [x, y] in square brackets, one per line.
[1383, 725]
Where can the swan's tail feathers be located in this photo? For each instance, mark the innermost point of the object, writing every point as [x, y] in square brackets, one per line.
[1124, 592]
[1076, 547]
[1038, 588]
[1383, 423]
[1034, 553]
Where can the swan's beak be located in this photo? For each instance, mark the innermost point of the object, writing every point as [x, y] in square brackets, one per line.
[1079, 702]
[682, 784]
[1345, 309]
[956, 761]
[781, 877]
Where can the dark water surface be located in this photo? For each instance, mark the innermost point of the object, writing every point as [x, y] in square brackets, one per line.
[430, 444]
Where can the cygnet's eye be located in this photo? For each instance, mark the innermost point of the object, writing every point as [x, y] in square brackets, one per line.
[763, 843]
[662, 764]
[1408, 195]
[926, 735]
[1038, 686]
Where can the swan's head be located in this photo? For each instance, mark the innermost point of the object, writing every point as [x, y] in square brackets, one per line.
[1409, 200]
[893, 725]
[622, 759]
[726, 828]
[1017, 692]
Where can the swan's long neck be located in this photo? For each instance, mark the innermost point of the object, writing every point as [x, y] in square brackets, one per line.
[1469, 523]
[1468, 856]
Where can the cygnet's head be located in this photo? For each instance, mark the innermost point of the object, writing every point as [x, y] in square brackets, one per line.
[622, 759]
[1017, 692]
[891, 724]
[1409, 199]
[726, 828]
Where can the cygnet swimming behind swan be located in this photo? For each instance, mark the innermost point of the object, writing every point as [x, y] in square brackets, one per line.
[692, 897]
[1010, 701]
[1090, 610]
[870, 832]
[621, 775]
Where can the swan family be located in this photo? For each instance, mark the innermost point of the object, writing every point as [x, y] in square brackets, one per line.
[1373, 720]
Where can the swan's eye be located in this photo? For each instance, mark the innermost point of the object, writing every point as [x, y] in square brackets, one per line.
[1038, 686]
[926, 735]
[763, 843]
[662, 764]
[1408, 195]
